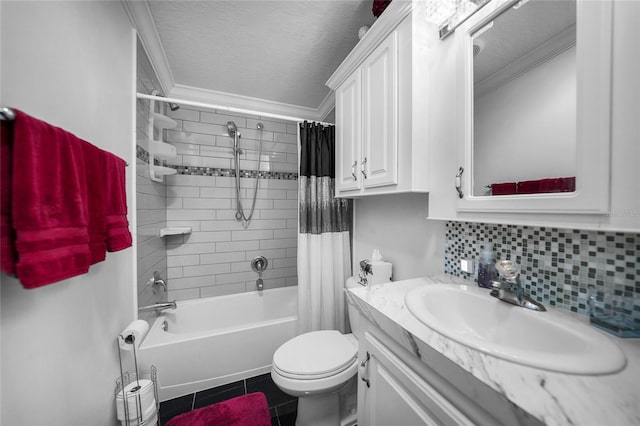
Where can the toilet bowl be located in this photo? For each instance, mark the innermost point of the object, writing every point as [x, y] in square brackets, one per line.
[315, 367]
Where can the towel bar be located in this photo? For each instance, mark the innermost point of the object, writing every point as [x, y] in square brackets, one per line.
[7, 113]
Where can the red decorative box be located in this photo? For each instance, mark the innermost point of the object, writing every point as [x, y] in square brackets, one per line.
[504, 188]
[528, 187]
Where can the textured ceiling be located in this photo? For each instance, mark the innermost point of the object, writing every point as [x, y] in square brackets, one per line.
[282, 51]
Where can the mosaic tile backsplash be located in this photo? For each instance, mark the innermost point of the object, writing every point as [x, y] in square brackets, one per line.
[559, 267]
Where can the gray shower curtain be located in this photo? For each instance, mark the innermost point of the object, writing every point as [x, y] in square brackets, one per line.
[324, 250]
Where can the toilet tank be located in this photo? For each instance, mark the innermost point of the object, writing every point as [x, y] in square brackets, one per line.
[353, 313]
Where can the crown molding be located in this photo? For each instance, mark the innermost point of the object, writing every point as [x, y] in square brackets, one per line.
[327, 105]
[142, 20]
[387, 22]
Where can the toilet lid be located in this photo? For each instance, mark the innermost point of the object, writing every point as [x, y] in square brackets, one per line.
[318, 353]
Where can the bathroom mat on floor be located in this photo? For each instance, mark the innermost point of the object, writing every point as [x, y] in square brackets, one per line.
[246, 410]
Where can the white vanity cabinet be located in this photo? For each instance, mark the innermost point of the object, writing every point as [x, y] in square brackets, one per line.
[393, 394]
[397, 387]
[381, 106]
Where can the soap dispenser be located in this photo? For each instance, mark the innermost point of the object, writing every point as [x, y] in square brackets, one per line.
[487, 266]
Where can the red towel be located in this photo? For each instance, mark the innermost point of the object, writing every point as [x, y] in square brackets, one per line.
[528, 187]
[8, 254]
[568, 184]
[97, 189]
[503, 188]
[118, 235]
[63, 203]
[49, 208]
[246, 410]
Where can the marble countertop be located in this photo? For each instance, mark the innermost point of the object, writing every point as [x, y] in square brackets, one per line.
[551, 397]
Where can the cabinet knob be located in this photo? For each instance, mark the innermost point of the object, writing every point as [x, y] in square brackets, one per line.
[353, 170]
[362, 167]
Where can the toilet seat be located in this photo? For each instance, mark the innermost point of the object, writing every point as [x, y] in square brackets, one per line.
[316, 355]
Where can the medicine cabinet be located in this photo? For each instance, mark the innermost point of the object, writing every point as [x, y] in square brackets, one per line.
[534, 103]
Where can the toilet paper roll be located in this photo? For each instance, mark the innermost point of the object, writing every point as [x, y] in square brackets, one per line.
[153, 420]
[139, 401]
[138, 329]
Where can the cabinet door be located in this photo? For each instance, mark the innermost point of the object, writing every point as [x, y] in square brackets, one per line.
[349, 133]
[397, 396]
[380, 121]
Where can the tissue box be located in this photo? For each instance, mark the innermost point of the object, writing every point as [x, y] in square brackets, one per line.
[374, 272]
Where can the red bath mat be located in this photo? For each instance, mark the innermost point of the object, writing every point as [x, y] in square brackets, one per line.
[246, 410]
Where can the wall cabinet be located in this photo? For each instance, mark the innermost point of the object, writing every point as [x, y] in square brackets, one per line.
[381, 107]
[366, 108]
[606, 197]
[588, 28]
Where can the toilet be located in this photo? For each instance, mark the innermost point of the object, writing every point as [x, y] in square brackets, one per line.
[315, 367]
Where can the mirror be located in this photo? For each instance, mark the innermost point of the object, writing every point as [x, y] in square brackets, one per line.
[524, 105]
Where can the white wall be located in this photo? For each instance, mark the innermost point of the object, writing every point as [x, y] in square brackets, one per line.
[397, 226]
[70, 64]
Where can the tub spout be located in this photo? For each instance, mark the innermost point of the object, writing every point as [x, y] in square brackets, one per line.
[158, 306]
[260, 284]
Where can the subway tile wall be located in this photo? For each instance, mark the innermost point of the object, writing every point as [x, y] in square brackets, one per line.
[150, 196]
[559, 266]
[215, 258]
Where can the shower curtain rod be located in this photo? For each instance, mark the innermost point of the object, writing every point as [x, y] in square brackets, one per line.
[230, 109]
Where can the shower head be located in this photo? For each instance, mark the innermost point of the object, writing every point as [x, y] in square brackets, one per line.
[231, 128]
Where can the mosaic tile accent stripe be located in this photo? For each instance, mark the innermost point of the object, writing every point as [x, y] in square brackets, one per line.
[211, 171]
[143, 155]
[559, 266]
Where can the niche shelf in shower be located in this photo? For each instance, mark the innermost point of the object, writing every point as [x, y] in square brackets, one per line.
[175, 230]
[163, 171]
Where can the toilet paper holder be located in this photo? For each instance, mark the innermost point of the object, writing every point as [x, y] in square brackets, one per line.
[138, 404]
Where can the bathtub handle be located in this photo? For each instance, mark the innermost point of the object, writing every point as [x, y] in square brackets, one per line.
[259, 264]
[157, 281]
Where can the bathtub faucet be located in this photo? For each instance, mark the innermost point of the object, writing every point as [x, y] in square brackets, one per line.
[159, 306]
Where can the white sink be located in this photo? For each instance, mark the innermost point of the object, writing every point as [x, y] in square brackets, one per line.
[553, 340]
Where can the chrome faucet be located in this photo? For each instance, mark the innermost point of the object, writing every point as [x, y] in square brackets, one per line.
[509, 288]
[159, 306]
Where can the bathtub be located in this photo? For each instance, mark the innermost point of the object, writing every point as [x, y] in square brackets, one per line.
[218, 340]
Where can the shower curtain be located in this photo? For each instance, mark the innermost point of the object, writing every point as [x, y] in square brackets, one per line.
[324, 249]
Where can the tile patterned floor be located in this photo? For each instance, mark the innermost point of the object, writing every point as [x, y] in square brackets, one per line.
[283, 407]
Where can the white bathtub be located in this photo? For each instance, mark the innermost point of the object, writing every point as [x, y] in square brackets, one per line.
[218, 340]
